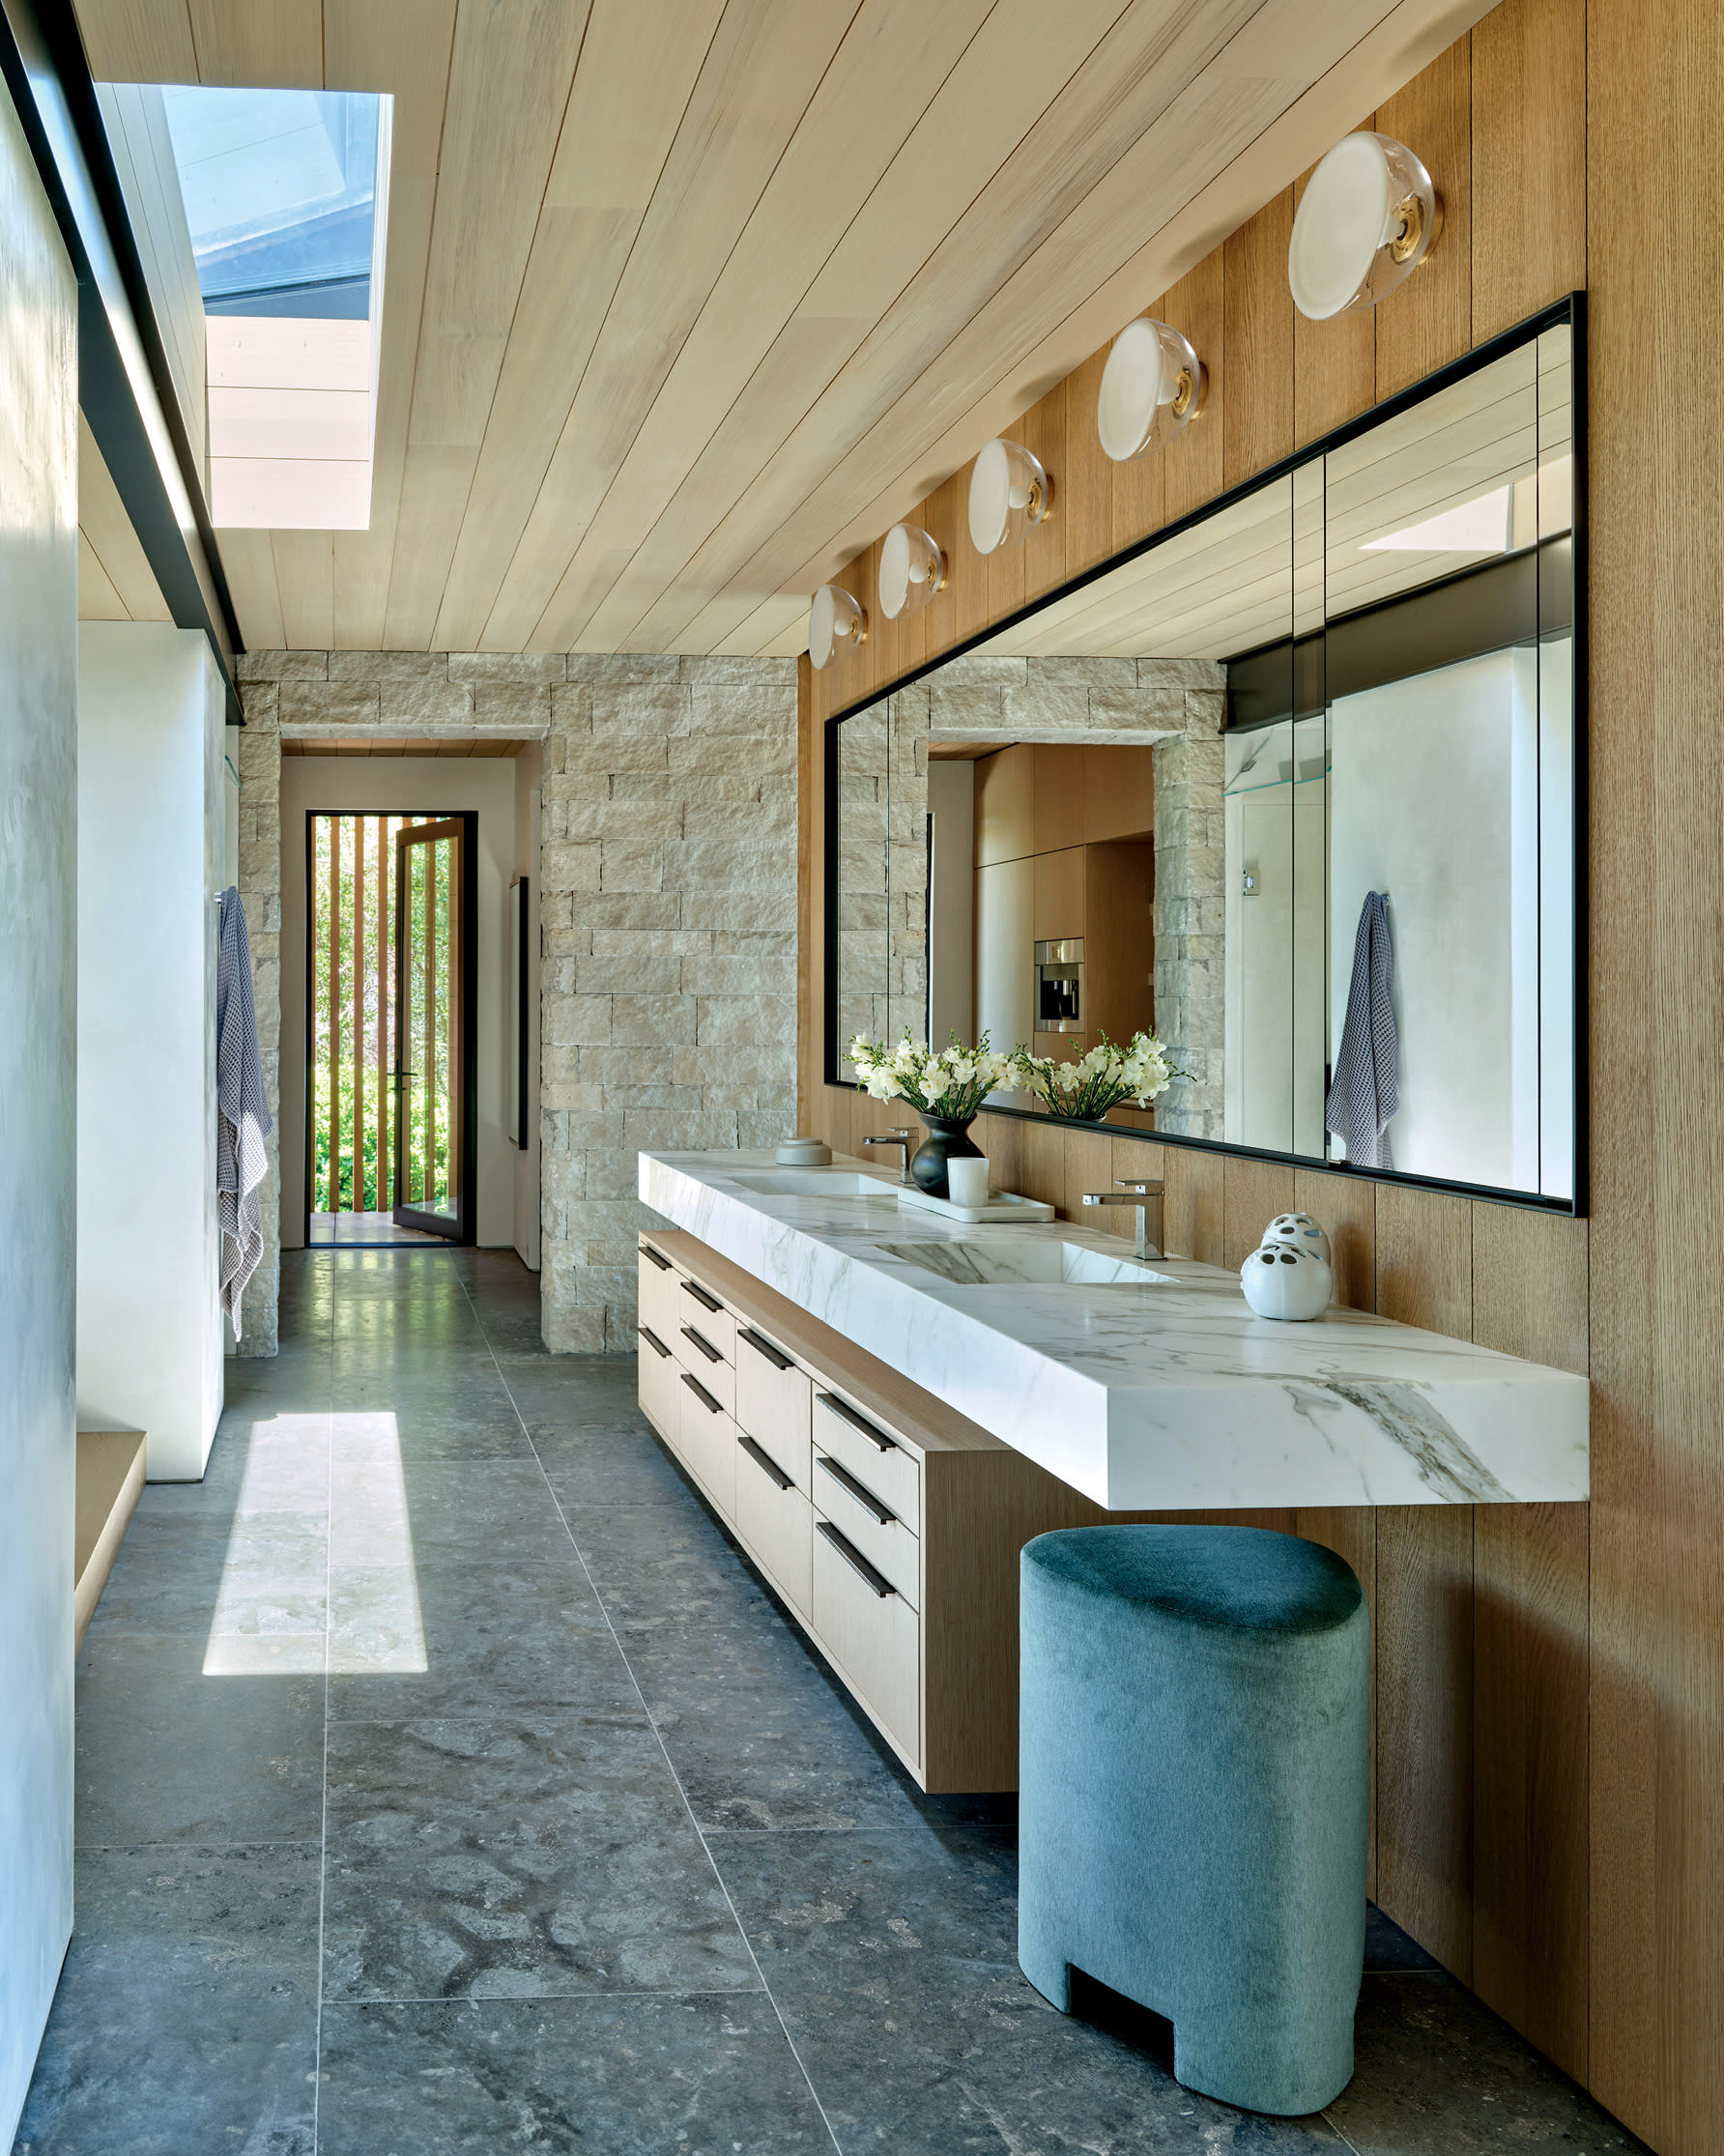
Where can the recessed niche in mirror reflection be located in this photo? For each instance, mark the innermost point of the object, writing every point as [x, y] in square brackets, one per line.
[1294, 790]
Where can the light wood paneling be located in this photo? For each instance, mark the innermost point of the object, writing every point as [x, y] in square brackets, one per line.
[1529, 80]
[1549, 1805]
[1253, 1194]
[1429, 319]
[1655, 78]
[711, 293]
[1194, 463]
[1259, 308]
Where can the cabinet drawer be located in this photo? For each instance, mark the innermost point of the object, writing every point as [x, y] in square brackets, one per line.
[709, 1444]
[699, 1307]
[774, 1520]
[697, 1353]
[774, 1401]
[875, 1638]
[890, 1470]
[658, 1385]
[657, 1293]
[856, 1511]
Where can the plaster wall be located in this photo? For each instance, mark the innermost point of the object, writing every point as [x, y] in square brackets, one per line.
[38, 1062]
[151, 854]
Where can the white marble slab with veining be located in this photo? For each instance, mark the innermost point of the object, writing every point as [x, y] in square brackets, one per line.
[1157, 1395]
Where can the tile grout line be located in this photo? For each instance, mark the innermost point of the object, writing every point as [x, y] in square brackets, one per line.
[669, 1765]
[323, 1821]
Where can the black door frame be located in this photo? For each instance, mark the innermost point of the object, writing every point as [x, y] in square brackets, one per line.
[467, 1211]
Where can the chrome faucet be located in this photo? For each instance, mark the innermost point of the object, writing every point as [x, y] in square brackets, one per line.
[1136, 1194]
[902, 1139]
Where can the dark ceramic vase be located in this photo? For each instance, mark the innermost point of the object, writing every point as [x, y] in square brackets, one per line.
[948, 1139]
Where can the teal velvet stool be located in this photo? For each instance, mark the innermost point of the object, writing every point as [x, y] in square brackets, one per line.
[1192, 1816]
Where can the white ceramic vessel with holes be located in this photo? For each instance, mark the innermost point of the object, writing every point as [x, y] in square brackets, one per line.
[1302, 1231]
[1282, 1281]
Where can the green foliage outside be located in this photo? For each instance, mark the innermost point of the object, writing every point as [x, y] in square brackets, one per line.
[425, 1097]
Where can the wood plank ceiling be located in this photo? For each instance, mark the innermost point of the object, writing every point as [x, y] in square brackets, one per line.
[687, 299]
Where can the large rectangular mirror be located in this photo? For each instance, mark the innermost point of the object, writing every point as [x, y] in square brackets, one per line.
[1293, 787]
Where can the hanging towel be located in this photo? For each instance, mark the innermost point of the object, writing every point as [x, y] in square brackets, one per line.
[242, 1110]
[1363, 1095]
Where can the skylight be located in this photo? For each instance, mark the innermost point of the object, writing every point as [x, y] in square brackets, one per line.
[281, 190]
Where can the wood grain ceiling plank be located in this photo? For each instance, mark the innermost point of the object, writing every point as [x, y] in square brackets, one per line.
[138, 41]
[1361, 55]
[249, 565]
[435, 484]
[1141, 120]
[510, 80]
[306, 578]
[277, 47]
[997, 88]
[104, 523]
[97, 600]
[896, 54]
[632, 87]
[404, 47]
[363, 560]
[764, 67]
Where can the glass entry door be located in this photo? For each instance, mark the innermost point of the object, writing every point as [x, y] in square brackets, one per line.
[431, 1167]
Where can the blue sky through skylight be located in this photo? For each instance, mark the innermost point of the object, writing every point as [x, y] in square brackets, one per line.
[279, 188]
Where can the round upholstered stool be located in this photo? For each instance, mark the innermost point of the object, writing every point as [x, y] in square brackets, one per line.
[1192, 1806]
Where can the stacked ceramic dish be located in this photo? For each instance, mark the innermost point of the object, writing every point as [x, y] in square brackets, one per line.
[1288, 1275]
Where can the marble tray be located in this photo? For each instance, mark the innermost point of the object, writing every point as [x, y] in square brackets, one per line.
[1002, 1205]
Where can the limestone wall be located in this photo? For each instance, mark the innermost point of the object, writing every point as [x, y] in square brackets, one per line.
[667, 887]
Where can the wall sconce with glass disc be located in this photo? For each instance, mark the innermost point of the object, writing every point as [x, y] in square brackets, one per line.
[1153, 385]
[912, 569]
[1009, 493]
[1368, 218]
[835, 622]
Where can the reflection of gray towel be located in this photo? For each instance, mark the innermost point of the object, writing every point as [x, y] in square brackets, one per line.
[243, 1120]
[1363, 1095]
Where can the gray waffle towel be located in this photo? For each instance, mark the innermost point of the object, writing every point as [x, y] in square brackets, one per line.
[243, 1121]
[1363, 1095]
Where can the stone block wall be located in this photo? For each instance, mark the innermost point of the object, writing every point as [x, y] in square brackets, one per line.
[668, 882]
[668, 907]
[1173, 707]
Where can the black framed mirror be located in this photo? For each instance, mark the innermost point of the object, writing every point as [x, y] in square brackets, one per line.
[1295, 785]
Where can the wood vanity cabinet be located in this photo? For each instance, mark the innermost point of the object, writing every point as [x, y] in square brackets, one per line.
[888, 1523]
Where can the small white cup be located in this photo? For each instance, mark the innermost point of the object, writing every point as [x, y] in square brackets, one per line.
[967, 1182]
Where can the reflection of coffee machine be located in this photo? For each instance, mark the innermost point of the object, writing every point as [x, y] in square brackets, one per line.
[1059, 986]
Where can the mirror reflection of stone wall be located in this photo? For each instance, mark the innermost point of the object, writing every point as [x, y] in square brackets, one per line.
[912, 769]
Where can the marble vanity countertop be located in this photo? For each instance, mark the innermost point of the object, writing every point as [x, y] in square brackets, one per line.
[1144, 1394]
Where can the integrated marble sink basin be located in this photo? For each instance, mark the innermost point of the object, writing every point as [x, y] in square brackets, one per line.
[1024, 1264]
[816, 1182]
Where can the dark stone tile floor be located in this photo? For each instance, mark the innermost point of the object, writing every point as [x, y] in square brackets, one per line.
[449, 1782]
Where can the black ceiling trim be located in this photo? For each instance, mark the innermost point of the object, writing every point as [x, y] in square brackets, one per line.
[125, 385]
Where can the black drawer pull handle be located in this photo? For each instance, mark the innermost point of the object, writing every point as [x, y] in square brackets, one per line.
[653, 1341]
[663, 1263]
[863, 1495]
[857, 1421]
[856, 1560]
[705, 1348]
[701, 1295]
[702, 1395]
[764, 1459]
[777, 1360]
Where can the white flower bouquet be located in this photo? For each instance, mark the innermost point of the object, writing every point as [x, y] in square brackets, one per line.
[1085, 1090]
[950, 1082]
